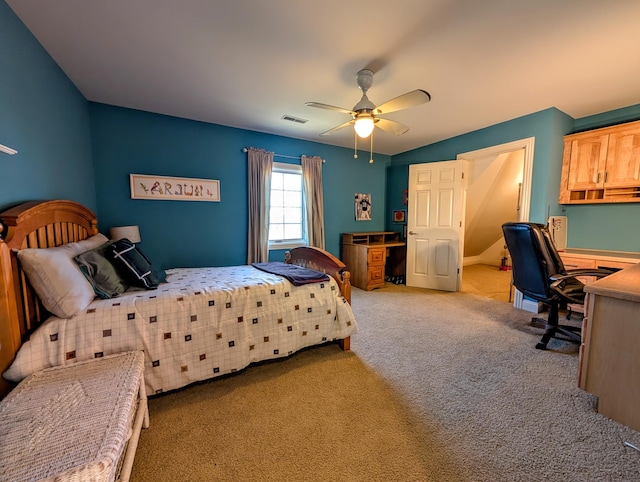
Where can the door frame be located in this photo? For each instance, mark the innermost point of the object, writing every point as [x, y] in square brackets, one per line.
[528, 145]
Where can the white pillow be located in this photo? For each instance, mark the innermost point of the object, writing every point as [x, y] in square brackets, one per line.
[55, 277]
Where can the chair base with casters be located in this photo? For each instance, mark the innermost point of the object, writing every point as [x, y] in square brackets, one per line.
[553, 329]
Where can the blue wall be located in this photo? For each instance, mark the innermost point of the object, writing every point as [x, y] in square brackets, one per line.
[547, 126]
[186, 233]
[604, 119]
[605, 226]
[43, 117]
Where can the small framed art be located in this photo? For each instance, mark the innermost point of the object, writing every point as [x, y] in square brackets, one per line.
[363, 207]
[399, 216]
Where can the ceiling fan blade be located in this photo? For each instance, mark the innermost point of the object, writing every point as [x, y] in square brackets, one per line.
[329, 107]
[410, 99]
[392, 127]
[337, 128]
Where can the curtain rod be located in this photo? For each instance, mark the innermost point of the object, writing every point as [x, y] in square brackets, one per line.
[7, 150]
[246, 149]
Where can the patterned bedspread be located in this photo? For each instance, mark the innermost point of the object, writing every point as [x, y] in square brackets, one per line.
[202, 323]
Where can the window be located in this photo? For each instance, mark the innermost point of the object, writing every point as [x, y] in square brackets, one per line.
[286, 216]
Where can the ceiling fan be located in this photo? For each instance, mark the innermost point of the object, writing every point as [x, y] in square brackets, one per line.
[365, 115]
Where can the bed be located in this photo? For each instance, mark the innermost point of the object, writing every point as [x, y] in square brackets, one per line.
[201, 323]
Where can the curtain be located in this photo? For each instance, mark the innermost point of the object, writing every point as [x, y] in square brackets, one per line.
[312, 179]
[260, 165]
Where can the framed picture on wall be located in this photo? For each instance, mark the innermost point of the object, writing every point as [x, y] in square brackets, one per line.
[174, 188]
[399, 216]
[363, 207]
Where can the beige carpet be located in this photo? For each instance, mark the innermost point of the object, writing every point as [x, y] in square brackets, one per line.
[438, 386]
[486, 280]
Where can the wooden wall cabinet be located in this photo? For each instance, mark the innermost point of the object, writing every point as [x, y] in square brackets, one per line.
[602, 166]
[365, 255]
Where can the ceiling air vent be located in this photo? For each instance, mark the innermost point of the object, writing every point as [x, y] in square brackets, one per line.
[291, 118]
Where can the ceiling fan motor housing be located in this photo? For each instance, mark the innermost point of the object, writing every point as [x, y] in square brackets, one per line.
[365, 79]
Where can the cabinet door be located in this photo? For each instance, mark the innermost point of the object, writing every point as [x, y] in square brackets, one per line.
[587, 162]
[623, 159]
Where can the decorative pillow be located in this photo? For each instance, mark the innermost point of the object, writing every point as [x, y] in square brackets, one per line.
[132, 264]
[99, 271]
[57, 280]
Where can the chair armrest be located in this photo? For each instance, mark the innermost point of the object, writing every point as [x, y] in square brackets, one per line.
[558, 280]
[597, 272]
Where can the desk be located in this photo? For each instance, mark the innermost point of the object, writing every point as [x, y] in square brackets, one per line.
[610, 351]
[371, 255]
[576, 258]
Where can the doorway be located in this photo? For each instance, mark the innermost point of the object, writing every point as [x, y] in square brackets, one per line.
[526, 146]
[498, 190]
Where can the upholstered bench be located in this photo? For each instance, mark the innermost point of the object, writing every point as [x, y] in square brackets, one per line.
[75, 423]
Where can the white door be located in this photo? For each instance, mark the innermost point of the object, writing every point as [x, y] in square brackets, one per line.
[434, 225]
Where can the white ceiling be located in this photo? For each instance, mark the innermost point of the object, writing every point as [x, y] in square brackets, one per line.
[246, 63]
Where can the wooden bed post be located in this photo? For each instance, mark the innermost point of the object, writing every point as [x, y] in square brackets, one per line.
[10, 338]
[346, 285]
[345, 343]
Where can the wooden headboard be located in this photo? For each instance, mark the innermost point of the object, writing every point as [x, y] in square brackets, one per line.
[34, 224]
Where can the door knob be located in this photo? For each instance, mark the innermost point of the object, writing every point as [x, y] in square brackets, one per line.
[411, 232]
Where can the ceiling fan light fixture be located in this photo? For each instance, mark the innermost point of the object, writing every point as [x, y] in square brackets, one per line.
[364, 126]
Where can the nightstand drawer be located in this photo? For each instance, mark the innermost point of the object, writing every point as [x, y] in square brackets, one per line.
[376, 256]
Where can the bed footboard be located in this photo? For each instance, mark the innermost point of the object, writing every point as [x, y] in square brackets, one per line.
[321, 260]
[325, 262]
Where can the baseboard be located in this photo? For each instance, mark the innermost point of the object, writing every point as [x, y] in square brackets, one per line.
[522, 303]
[531, 306]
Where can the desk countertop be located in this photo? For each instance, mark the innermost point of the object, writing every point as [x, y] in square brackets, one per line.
[624, 285]
[597, 253]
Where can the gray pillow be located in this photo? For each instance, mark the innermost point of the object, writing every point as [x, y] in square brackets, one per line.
[57, 279]
[99, 271]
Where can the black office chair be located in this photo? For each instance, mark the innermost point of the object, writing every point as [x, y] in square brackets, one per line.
[538, 273]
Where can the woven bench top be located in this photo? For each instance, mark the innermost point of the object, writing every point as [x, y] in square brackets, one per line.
[70, 422]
